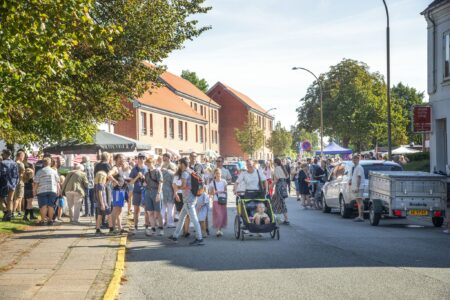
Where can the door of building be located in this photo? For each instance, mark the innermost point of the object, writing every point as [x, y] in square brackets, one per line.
[441, 144]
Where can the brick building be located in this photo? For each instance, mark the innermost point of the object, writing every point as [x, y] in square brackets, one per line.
[235, 108]
[176, 118]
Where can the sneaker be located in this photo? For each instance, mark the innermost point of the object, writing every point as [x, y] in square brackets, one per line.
[25, 218]
[186, 235]
[58, 221]
[171, 226]
[99, 232]
[358, 219]
[19, 214]
[173, 239]
[153, 230]
[197, 242]
[148, 232]
[245, 231]
[50, 223]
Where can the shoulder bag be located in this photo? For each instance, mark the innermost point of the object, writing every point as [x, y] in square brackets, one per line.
[222, 200]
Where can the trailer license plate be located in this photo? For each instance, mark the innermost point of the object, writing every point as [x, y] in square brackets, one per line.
[418, 212]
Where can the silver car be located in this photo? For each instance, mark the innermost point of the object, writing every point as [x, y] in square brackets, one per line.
[336, 192]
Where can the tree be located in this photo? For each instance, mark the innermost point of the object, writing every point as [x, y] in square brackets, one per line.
[66, 66]
[250, 137]
[280, 141]
[202, 84]
[354, 103]
[407, 97]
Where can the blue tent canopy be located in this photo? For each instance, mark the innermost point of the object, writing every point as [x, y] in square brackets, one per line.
[334, 148]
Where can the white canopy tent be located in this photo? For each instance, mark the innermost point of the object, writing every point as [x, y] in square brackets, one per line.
[404, 150]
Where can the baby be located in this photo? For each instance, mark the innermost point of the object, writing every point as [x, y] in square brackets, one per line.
[260, 216]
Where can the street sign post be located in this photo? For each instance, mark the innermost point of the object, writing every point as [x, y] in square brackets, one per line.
[421, 121]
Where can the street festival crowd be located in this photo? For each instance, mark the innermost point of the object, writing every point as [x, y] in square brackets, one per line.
[171, 193]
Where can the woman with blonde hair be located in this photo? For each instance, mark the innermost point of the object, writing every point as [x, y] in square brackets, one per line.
[218, 190]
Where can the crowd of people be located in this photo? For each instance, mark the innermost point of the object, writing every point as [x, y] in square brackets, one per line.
[173, 193]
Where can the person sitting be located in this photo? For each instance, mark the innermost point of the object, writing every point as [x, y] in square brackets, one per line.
[260, 216]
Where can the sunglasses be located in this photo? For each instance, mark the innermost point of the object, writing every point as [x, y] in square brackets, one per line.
[140, 157]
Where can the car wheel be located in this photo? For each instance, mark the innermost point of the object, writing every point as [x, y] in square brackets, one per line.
[437, 221]
[374, 217]
[345, 211]
[325, 208]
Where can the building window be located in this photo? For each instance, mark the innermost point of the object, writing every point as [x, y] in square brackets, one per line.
[447, 55]
[151, 124]
[191, 103]
[206, 134]
[185, 131]
[165, 127]
[264, 123]
[215, 116]
[196, 133]
[171, 128]
[217, 137]
[195, 106]
[201, 134]
[201, 110]
[143, 123]
[180, 130]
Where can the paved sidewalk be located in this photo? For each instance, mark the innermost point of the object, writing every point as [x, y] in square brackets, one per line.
[57, 262]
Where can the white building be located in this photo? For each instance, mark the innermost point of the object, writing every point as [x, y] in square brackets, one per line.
[437, 15]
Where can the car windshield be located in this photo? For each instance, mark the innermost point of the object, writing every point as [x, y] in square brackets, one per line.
[379, 167]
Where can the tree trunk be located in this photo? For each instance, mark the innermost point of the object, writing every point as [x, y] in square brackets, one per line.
[345, 142]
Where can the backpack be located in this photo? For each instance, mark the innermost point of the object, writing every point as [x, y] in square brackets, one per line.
[197, 185]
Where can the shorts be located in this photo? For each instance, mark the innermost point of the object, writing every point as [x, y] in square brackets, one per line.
[179, 205]
[359, 194]
[138, 198]
[20, 190]
[118, 198]
[102, 213]
[150, 201]
[60, 201]
[46, 199]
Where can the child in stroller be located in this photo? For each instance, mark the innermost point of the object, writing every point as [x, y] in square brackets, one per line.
[260, 216]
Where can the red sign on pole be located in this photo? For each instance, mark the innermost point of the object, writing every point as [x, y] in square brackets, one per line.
[422, 119]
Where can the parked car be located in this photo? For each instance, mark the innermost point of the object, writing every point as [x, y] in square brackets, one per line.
[234, 170]
[336, 192]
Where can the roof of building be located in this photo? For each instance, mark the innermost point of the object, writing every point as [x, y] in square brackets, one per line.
[244, 98]
[164, 99]
[435, 4]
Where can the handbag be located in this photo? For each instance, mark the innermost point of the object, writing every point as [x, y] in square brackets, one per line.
[222, 200]
[283, 190]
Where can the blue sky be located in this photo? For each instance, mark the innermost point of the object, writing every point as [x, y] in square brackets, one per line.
[253, 45]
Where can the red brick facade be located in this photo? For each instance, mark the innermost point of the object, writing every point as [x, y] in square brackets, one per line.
[233, 114]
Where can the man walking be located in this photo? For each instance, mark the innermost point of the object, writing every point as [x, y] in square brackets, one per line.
[137, 176]
[9, 177]
[20, 188]
[356, 186]
[225, 172]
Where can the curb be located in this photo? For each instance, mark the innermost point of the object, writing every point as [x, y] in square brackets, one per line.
[114, 284]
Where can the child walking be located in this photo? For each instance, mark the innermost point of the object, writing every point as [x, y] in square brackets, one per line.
[102, 210]
[202, 208]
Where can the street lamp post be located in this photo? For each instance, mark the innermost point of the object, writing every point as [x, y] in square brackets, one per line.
[321, 105]
[388, 79]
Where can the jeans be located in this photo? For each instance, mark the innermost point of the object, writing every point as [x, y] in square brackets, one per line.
[188, 208]
[89, 202]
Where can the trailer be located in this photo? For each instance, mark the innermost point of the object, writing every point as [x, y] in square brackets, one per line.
[399, 194]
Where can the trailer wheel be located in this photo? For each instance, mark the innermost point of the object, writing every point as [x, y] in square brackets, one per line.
[437, 221]
[374, 217]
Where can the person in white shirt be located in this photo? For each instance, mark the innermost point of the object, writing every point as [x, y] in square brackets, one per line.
[218, 189]
[357, 188]
[252, 181]
[224, 171]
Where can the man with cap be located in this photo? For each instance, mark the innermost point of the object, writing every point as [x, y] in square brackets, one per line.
[137, 176]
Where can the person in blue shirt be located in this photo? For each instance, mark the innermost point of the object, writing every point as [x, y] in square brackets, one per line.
[137, 178]
[9, 178]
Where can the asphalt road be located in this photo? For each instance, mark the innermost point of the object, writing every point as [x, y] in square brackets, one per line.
[319, 256]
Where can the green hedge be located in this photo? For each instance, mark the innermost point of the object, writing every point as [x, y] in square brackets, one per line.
[418, 156]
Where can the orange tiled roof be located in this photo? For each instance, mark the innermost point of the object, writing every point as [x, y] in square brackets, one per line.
[165, 99]
[184, 86]
[245, 99]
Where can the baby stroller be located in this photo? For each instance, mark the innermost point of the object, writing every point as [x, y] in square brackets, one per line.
[244, 219]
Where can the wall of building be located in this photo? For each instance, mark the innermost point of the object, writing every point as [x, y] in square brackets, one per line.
[439, 91]
[159, 136]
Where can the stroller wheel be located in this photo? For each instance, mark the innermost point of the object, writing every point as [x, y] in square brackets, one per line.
[273, 233]
[242, 235]
[237, 227]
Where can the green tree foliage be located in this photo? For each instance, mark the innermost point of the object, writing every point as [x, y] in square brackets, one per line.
[407, 97]
[250, 137]
[280, 141]
[66, 66]
[202, 84]
[354, 103]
